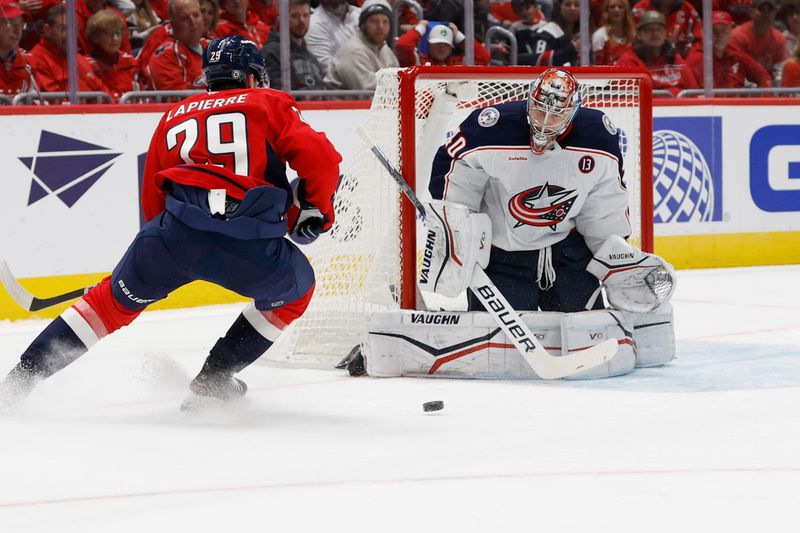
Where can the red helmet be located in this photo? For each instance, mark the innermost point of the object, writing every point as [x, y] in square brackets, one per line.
[553, 100]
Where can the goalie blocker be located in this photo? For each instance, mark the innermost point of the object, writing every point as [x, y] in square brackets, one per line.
[470, 345]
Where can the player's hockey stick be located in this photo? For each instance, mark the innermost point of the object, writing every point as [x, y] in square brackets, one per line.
[29, 301]
[546, 365]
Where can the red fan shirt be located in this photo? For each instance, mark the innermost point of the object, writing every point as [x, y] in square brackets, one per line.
[253, 133]
[672, 77]
[175, 67]
[14, 75]
[117, 73]
[731, 70]
[253, 28]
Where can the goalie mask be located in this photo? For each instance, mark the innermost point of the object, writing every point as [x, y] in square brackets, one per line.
[553, 100]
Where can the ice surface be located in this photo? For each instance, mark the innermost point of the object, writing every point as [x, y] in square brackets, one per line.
[710, 443]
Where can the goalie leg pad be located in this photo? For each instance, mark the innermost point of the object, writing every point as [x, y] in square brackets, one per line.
[470, 345]
[456, 241]
[654, 334]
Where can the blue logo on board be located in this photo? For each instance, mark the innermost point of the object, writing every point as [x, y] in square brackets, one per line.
[775, 168]
[66, 167]
[687, 169]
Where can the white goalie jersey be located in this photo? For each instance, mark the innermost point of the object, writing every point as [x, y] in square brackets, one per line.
[535, 201]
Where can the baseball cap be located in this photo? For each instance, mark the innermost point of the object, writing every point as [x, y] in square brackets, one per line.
[373, 7]
[440, 34]
[651, 17]
[9, 9]
[721, 17]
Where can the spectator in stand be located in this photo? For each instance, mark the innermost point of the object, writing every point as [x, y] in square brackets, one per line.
[16, 75]
[789, 17]
[117, 69]
[739, 10]
[305, 69]
[178, 64]
[85, 9]
[653, 51]
[141, 23]
[761, 40]
[684, 27]
[615, 34]
[529, 16]
[733, 68]
[34, 12]
[237, 19]
[267, 11]
[529, 19]
[555, 43]
[49, 58]
[791, 70]
[210, 11]
[332, 25]
[445, 46]
[355, 64]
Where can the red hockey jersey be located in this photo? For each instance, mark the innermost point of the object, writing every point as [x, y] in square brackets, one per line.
[253, 134]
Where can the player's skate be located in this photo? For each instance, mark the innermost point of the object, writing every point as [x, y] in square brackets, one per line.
[212, 386]
[17, 386]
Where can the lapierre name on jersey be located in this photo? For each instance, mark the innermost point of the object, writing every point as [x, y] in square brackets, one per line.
[208, 103]
[535, 201]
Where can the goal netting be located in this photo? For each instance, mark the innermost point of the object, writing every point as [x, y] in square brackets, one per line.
[368, 261]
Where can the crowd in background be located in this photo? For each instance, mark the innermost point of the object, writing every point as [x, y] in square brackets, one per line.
[127, 45]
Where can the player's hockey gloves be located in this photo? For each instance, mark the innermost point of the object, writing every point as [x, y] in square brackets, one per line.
[306, 222]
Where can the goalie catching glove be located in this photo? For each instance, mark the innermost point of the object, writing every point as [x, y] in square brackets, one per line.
[456, 240]
[634, 280]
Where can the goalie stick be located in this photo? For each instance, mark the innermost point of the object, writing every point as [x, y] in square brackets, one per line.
[546, 365]
[27, 300]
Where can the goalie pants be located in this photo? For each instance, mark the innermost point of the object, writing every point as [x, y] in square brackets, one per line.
[515, 274]
[167, 254]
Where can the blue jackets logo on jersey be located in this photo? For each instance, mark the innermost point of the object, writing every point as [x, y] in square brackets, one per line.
[65, 167]
[543, 206]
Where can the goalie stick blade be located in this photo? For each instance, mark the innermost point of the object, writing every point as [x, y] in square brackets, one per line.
[554, 367]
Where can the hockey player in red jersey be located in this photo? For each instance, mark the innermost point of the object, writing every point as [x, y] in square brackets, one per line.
[218, 207]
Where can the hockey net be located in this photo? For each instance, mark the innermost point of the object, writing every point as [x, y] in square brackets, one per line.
[368, 261]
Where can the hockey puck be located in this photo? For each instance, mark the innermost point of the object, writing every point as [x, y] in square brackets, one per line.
[433, 406]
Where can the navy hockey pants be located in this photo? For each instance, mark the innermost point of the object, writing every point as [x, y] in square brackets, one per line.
[515, 275]
[167, 254]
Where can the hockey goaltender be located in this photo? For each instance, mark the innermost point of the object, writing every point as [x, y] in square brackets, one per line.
[532, 193]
